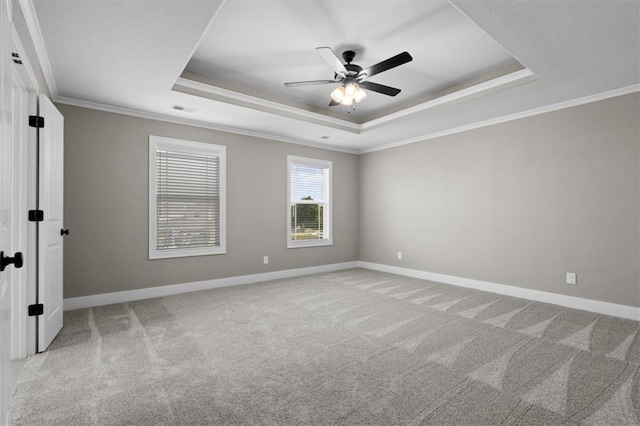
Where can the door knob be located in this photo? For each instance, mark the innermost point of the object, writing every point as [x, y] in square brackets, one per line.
[64, 232]
[6, 260]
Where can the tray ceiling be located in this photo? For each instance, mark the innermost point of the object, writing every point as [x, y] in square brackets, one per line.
[225, 62]
[255, 47]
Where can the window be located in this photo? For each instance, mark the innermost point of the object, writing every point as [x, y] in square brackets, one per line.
[309, 202]
[186, 198]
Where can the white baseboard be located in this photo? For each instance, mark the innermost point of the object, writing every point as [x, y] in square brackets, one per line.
[167, 290]
[622, 311]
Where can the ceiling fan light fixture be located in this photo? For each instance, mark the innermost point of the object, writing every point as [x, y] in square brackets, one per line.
[347, 101]
[350, 90]
[348, 76]
[360, 95]
[348, 94]
[338, 94]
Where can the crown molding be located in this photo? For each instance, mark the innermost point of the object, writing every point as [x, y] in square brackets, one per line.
[33, 26]
[508, 80]
[195, 123]
[209, 91]
[481, 89]
[536, 111]
[241, 99]
[177, 120]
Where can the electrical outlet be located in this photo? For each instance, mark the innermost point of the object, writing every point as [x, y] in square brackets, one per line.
[265, 260]
[399, 255]
[572, 278]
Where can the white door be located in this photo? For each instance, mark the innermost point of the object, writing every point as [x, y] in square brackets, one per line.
[50, 241]
[23, 104]
[6, 229]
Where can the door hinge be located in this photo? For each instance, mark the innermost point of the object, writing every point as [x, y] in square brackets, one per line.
[36, 121]
[36, 215]
[35, 310]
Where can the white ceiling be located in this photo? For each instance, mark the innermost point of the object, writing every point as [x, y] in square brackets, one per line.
[261, 45]
[128, 56]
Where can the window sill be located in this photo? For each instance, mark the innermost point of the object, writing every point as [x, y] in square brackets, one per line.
[307, 243]
[170, 254]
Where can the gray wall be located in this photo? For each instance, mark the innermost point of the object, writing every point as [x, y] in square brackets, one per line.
[520, 203]
[106, 184]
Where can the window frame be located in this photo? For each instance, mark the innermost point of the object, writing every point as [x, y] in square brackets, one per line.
[327, 205]
[181, 145]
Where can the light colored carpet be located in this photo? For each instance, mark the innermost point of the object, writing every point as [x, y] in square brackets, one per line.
[349, 347]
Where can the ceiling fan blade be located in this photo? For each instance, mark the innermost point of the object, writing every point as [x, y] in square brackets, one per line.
[333, 103]
[310, 82]
[380, 88]
[332, 59]
[399, 59]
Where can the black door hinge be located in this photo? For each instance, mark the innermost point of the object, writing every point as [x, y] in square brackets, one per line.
[36, 215]
[16, 260]
[36, 121]
[35, 310]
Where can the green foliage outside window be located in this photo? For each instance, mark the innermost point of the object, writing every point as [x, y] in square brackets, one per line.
[307, 220]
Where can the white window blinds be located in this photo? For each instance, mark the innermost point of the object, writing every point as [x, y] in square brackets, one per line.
[308, 182]
[188, 199]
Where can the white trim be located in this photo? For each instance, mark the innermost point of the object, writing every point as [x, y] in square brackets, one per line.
[17, 43]
[495, 83]
[188, 147]
[255, 102]
[187, 122]
[328, 195]
[204, 33]
[31, 19]
[23, 330]
[33, 27]
[622, 311]
[271, 106]
[168, 290]
[542, 110]
[228, 129]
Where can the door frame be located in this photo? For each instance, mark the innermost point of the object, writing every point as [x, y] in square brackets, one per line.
[5, 133]
[23, 333]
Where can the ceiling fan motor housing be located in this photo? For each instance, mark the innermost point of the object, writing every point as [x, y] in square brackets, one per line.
[353, 69]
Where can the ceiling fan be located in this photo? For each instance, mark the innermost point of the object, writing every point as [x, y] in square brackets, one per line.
[352, 78]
